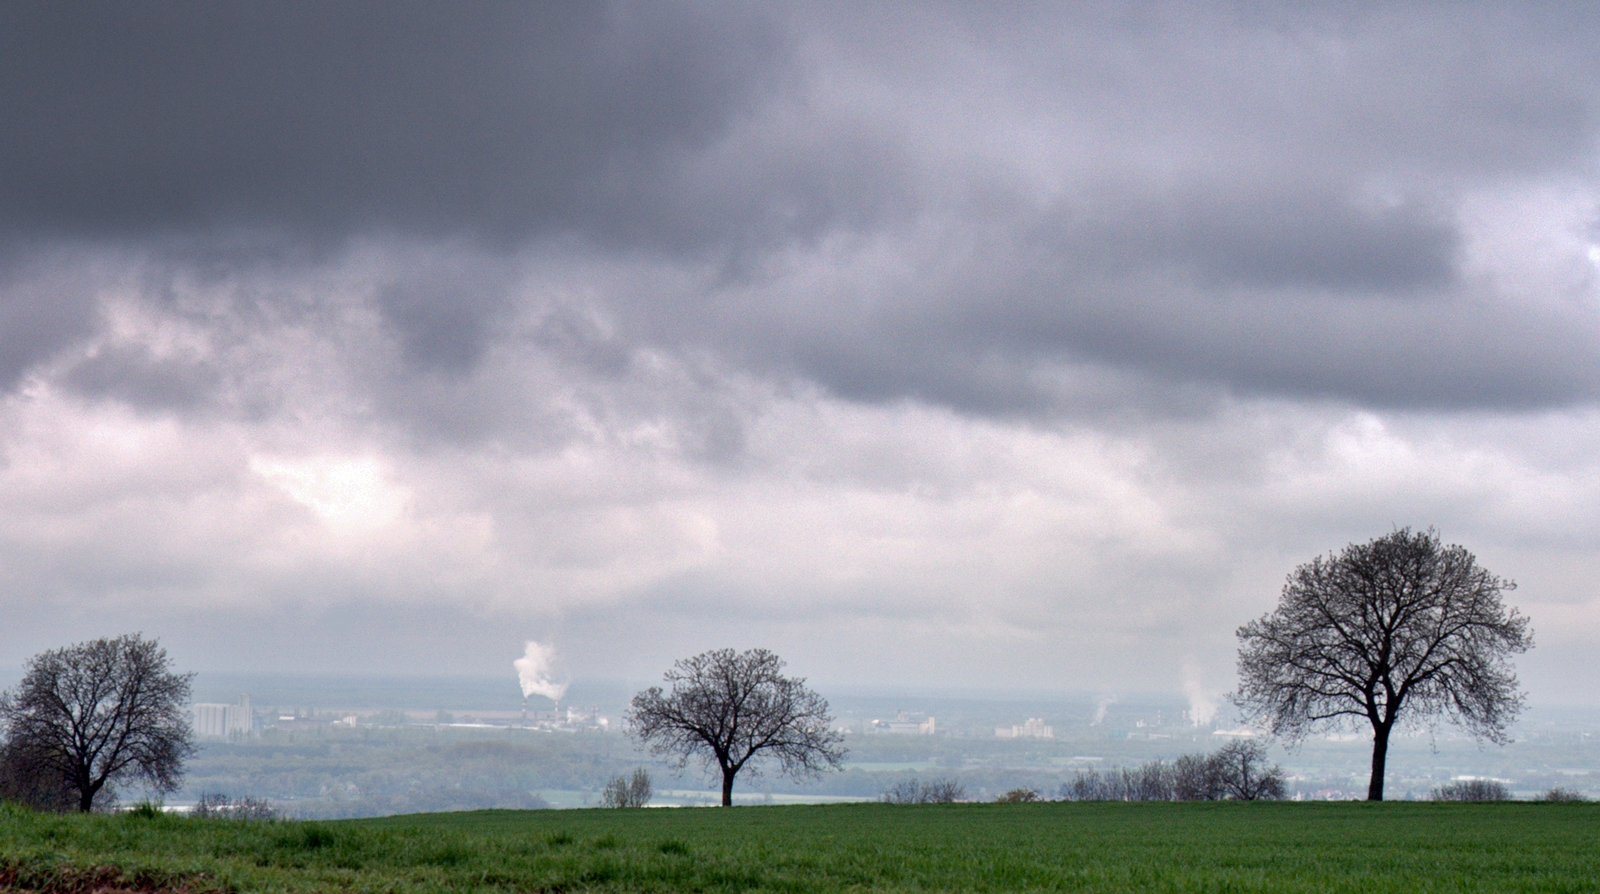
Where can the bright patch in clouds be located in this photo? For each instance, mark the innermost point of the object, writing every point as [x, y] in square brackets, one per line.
[349, 496]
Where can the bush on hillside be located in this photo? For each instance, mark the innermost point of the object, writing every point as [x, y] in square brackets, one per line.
[1018, 796]
[624, 791]
[1562, 794]
[216, 806]
[1472, 790]
[910, 791]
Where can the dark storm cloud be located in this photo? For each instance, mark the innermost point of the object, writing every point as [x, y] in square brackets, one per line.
[442, 315]
[497, 119]
[44, 307]
[1030, 209]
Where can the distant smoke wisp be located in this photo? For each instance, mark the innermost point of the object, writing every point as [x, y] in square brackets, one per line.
[534, 672]
[1100, 706]
[1202, 704]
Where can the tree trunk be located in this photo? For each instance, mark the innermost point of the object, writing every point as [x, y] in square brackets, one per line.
[1380, 754]
[727, 786]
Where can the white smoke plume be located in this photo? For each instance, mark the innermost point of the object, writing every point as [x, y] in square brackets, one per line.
[534, 671]
[1100, 706]
[1202, 704]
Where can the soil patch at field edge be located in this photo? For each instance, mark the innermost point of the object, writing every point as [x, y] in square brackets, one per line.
[93, 880]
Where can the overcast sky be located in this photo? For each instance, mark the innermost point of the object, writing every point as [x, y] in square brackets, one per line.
[927, 345]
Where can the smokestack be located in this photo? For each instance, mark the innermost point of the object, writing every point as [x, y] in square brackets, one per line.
[1100, 706]
[534, 672]
[1202, 704]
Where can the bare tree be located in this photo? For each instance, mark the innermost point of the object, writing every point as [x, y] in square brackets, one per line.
[1394, 630]
[1240, 771]
[98, 713]
[732, 709]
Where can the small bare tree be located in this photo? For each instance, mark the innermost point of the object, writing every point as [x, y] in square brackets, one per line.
[1241, 772]
[1387, 631]
[97, 713]
[731, 709]
[625, 791]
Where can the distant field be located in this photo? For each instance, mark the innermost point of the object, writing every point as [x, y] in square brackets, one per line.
[961, 847]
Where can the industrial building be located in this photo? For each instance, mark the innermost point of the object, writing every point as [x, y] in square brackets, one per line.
[225, 721]
[1034, 728]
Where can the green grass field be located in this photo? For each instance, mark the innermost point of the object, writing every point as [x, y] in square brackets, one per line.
[960, 847]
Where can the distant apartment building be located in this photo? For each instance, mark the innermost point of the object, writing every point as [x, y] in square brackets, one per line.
[1034, 728]
[225, 721]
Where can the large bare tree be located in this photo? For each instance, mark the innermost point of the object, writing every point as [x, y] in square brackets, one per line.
[1397, 630]
[94, 714]
[733, 708]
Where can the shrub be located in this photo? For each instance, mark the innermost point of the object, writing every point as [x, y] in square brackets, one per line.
[1472, 790]
[1236, 771]
[943, 791]
[910, 791]
[215, 806]
[146, 810]
[1562, 794]
[1018, 796]
[623, 791]
[1153, 781]
[26, 778]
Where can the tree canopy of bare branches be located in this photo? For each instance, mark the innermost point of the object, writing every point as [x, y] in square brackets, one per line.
[733, 708]
[91, 715]
[1392, 631]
